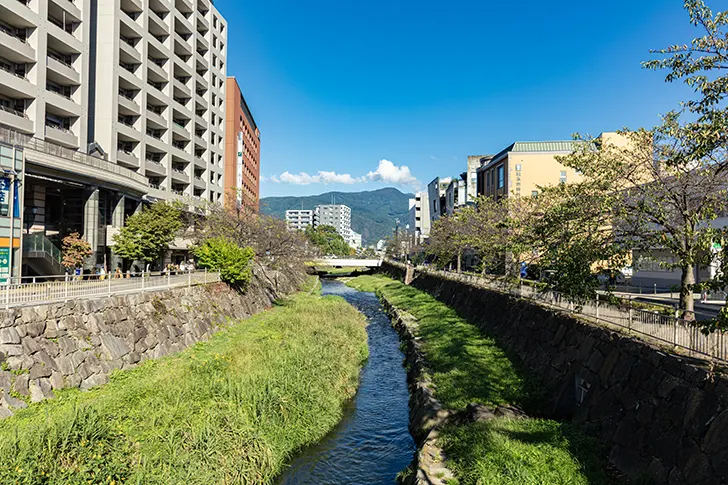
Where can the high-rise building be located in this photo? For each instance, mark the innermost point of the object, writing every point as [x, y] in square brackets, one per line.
[336, 215]
[112, 103]
[299, 219]
[242, 151]
[419, 216]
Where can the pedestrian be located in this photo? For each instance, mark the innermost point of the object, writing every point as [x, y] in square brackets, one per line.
[704, 296]
[117, 273]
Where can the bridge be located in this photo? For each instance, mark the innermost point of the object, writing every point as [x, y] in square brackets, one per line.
[348, 263]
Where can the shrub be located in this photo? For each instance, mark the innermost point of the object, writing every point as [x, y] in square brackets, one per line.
[222, 254]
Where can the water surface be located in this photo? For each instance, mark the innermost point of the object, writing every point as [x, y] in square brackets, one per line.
[372, 443]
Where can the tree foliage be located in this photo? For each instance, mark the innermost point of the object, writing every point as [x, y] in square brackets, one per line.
[327, 240]
[233, 262]
[75, 251]
[146, 235]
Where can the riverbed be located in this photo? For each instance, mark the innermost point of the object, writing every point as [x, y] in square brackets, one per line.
[372, 443]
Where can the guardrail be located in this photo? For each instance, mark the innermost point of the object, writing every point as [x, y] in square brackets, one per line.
[677, 332]
[49, 289]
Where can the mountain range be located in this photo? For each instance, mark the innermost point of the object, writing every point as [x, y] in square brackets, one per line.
[373, 213]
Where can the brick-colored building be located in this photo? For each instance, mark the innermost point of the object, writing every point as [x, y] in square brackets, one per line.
[242, 151]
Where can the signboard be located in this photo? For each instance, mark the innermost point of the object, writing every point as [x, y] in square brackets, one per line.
[239, 169]
[5, 184]
[4, 262]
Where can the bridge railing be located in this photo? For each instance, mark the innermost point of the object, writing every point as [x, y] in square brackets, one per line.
[49, 289]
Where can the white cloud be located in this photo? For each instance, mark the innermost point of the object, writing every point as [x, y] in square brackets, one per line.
[323, 177]
[386, 172]
[391, 173]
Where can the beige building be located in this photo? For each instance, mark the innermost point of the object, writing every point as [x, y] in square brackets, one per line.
[521, 168]
[113, 103]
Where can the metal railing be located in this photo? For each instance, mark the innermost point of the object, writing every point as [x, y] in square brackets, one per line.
[677, 332]
[48, 289]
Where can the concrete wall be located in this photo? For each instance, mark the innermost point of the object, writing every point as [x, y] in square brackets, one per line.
[660, 415]
[79, 343]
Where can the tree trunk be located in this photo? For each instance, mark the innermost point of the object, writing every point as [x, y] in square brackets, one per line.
[460, 261]
[687, 281]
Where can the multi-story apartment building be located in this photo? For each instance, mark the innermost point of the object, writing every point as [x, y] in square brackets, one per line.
[456, 193]
[336, 215]
[436, 196]
[419, 216]
[523, 167]
[474, 163]
[299, 219]
[112, 103]
[355, 241]
[242, 151]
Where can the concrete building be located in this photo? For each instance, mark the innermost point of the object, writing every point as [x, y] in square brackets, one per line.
[242, 151]
[474, 163]
[336, 215]
[522, 167]
[299, 219]
[436, 197]
[355, 241]
[419, 216]
[112, 103]
[456, 194]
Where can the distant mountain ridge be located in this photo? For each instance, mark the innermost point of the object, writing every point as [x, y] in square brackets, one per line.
[373, 213]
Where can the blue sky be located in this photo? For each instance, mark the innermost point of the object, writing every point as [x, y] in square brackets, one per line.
[338, 86]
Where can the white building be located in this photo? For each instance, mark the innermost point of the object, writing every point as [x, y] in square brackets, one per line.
[336, 215]
[299, 219]
[355, 241]
[436, 197]
[419, 216]
[474, 163]
[456, 194]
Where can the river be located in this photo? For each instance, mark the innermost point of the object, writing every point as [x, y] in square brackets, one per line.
[372, 443]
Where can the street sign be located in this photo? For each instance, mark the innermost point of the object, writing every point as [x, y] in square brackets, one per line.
[716, 246]
[4, 262]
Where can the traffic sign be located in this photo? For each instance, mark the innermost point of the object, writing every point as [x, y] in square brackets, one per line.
[4, 262]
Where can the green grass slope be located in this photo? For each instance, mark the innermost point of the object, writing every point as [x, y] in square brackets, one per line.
[228, 411]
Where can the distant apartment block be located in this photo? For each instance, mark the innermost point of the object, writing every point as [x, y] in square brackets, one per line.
[522, 167]
[242, 152]
[299, 219]
[456, 194]
[419, 216]
[474, 163]
[336, 215]
[355, 241]
[436, 196]
[111, 103]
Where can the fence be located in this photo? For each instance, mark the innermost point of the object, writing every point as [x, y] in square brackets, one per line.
[30, 291]
[676, 332]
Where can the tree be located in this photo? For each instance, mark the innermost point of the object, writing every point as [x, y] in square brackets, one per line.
[146, 235]
[451, 236]
[219, 253]
[75, 251]
[659, 190]
[327, 240]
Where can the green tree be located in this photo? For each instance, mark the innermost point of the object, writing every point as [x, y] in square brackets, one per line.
[75, 251]
[327, 240]
[146, 235]
[223, 254]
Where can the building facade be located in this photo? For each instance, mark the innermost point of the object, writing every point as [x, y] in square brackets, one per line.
[299, 219]
[113, 103]
[336, 215]
[419, 216]
[474, 163]
[522, 167]
[456, 194]
[242, 152]
[355, 241]
[436, 196]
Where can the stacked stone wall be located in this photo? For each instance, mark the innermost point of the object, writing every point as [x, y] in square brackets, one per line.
[79, 343]
[661, 415]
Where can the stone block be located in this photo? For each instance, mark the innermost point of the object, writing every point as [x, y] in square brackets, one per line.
[36, 393]
[6, 379]
[39, 370]
[30, 346]
[20, 385]
[57, 380]
[114, 347]
[35, 328]
[94, 381]
[9, 336]
[51, 330]
[11, 349]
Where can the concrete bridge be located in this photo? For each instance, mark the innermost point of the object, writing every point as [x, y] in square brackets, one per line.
[348, 263]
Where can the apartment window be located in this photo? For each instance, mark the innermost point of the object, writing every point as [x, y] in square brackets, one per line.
[562, 177]
[534, 193]
[501, 177]
[518, 167]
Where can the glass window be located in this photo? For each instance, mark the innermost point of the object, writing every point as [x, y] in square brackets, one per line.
[562, 177]
[501, 177]
[518, 167]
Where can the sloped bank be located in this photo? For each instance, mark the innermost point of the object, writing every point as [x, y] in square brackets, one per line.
[79, 343]
[662, 416]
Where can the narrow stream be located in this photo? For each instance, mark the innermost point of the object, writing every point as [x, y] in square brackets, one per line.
[372, 443]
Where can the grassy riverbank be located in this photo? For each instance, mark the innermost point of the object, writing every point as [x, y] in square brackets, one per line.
[231, 410]
[468, 367]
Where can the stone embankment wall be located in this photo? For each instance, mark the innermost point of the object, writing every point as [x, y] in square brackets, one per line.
[77, 344]
[661, 415]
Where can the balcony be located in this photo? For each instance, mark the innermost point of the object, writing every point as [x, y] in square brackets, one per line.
[201, 81]
[16, 119]
[64, 33]
[203, 25]
[158, 70]
[179, 175]
[199, 162]
[18, 46]
[22, 11]
[185, 21]
[128, 104]
[202, 44]
[131, 24]
[199, 182]
[180, 131]
[128, 131]
[181, 90]
[157, 25]
[61, 136]
[64, 103]
[127, 158]
[152, 166]
[69, 7]
[202, 63]
[62, 69]
[18, 83]
[125, 45]
[156, 118]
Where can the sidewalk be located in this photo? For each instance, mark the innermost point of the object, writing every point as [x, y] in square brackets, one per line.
[708, 309]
